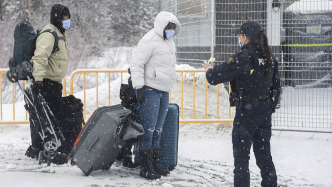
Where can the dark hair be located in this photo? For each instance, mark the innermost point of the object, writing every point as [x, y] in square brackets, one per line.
[169, 24]
[263, 48]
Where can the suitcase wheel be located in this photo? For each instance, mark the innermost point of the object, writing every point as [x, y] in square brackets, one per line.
[171, 167]
[72, 163]
[87, 173]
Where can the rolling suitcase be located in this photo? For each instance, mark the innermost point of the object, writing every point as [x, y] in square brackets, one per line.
[169, 139]
[99, 142]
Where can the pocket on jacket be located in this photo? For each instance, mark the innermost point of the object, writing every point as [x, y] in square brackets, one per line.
[162, 77]
[151, 73]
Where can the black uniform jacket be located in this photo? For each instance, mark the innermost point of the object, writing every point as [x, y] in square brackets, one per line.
[247, 70]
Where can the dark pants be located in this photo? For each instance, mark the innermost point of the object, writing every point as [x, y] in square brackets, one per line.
[52, 92]
[252, 126]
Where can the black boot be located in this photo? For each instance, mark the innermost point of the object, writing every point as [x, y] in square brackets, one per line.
[32, 152]
[156, 151]
[127, 162]
[60, 159]
[147, 170]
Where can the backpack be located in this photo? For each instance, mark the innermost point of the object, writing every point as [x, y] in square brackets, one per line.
[24, 47]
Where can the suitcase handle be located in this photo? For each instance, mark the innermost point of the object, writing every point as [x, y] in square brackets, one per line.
[118, 130]
[122, 124]
[93, 143]
[122, 115]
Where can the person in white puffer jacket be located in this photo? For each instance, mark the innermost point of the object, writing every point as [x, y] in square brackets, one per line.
[153, 74]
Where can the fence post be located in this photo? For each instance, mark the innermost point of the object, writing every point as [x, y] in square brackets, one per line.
[213, 25]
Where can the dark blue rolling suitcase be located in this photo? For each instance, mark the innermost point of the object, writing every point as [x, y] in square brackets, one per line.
[169, 138]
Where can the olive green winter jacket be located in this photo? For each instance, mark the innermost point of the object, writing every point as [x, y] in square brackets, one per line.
[48, 65]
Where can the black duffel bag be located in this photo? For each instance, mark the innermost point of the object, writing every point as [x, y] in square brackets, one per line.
[72, 123]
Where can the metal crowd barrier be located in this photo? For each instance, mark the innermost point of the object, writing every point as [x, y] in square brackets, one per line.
[194, 119]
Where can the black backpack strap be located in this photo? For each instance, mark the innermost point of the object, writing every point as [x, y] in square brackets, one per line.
[56, 47]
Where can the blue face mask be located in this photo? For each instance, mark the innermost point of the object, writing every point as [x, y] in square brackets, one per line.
[169, 34]
[239, 42]
[66, 24]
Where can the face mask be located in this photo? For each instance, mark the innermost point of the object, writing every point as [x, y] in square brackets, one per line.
[66, 24]
[169, 34]
[239, 42]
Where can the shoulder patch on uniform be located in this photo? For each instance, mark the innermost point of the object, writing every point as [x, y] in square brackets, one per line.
[230, 60]
[261, 61]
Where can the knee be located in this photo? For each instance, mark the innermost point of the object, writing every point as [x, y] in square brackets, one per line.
[159, 130]
[241, 159]
[150, 130]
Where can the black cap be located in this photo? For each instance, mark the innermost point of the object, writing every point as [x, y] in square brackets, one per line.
[249, 28]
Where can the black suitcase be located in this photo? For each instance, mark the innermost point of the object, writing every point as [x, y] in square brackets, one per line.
[169, 139]
[99, 142]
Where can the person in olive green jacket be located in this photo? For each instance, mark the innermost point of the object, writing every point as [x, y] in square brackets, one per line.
[49, 69]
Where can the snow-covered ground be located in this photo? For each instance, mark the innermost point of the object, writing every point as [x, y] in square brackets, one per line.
[205, 159]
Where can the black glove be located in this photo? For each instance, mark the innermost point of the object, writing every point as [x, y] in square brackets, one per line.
[140, 96]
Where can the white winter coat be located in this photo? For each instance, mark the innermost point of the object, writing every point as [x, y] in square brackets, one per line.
[153, 60]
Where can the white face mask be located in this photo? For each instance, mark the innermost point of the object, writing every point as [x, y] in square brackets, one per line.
[66, 24]
[239, 42]
[169, 34]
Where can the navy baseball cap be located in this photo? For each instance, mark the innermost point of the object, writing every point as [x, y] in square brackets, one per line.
[249, 28]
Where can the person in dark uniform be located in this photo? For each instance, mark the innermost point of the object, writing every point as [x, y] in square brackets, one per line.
[255, 83]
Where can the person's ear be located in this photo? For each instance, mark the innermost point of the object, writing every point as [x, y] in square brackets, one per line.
[246, 39]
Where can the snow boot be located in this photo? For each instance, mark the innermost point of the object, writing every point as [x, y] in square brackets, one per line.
[60, 159]
[127, 162]
[32, 152]
[147, 170]
[156, 151]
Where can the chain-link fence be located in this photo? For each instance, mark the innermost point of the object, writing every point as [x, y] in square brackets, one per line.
[299, 33]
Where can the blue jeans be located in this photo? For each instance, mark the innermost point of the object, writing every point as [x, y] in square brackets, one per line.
[153, 113]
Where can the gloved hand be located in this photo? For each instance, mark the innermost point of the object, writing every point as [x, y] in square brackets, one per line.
[140, 96]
